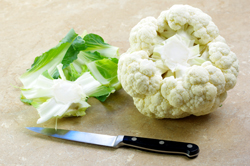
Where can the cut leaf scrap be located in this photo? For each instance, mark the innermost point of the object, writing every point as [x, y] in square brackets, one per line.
[48, 60]
[64, 96]
[96, 43]
[61, 80]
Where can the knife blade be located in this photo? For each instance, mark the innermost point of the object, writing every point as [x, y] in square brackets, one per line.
[154, 145]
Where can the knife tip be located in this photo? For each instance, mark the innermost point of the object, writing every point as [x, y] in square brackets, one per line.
[36, 129]
[28, 128]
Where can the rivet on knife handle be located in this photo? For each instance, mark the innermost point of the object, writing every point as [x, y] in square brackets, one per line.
[162, 146]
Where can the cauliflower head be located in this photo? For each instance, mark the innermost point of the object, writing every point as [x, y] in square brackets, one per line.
[177, 64]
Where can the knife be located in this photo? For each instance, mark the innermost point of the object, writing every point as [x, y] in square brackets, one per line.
[154, 145]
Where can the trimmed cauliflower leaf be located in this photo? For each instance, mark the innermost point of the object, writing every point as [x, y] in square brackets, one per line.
[61, 80]
[62, 97]
[48, 60]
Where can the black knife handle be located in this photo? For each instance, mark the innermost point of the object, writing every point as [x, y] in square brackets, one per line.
[162, 146]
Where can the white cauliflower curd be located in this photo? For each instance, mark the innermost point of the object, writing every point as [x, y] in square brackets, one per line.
[177, 64]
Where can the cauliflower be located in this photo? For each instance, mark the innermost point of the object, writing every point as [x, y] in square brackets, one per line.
[177, 64]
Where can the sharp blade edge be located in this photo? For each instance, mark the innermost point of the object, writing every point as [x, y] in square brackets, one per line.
[90, 138]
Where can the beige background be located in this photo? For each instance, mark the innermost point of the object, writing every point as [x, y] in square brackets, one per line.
[29, 28]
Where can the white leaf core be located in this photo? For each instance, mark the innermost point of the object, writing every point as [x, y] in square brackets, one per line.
[176, 53]
[67, 92]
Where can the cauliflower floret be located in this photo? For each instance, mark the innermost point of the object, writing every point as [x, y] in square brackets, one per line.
[158, 107]
[226, 60]
[179, 15]
[162, 86]
[139, 73]
[144, 35]
[216, 77]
